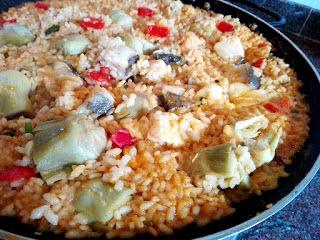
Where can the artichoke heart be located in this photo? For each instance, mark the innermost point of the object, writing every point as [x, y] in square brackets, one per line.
[97, 201]
[121, 18]
[139, 45]
[251, 128]
[265, 147]
[51, 177]
[217, 160]
[73, 44]
[14, 90]
[15, 34]
[72, 140]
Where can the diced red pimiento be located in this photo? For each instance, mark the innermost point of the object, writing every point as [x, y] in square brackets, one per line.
[145, 12]
[157, 31]
[270, 107]
[258, 64]
[17, 173]
[2, 21]
[225, 27]
[93, 23]
[122, 138]
[282, 105]
[102, 76]
[42, 5]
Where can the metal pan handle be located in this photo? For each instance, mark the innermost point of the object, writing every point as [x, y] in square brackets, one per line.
[279, 19]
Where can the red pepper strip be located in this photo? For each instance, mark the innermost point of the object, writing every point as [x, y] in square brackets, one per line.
[258, 64]
[122, 138]
[145, 12]
[93, 23]
[17, 173]
[282, 105]
[225, 27]
[103, 75]
[157, 31]
[42, 5]
[2, 21]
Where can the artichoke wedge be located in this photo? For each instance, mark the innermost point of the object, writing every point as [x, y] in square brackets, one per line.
[51, 177]
[217, 160]
[15, 34]
[245, 184]
[97, 201]
[121, 18]
[69, 141]
[73, 44]
[251, 128]
[14, 90]
[264, 150]
[139, 45]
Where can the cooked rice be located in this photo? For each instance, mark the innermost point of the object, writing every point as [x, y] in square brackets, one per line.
[165, 196]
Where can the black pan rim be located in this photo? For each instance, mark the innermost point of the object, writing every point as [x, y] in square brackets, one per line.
[282, 202]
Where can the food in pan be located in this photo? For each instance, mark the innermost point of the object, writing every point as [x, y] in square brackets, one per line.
[127, 117]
